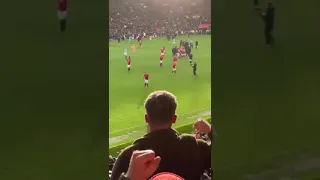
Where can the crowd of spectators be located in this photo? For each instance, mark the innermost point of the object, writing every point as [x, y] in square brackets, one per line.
[131, 17]
[162, 149]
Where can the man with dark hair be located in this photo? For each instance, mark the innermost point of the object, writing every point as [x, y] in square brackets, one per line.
[161, 109]
[268, 18]
[182, 155]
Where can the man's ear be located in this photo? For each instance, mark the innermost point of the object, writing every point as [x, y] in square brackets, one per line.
[174, 119]
[146, 118]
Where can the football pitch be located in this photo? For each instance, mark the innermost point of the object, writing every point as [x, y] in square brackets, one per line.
[127, 92]
[54, 107]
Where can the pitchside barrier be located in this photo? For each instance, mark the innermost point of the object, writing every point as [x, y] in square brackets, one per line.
[115, 149]
[204, 31]
[124, 135]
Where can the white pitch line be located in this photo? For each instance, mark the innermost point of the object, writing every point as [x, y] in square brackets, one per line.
[125, 129]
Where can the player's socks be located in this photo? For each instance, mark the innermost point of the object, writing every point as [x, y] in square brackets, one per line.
[65, 25]
[129, 69]
[62, 25]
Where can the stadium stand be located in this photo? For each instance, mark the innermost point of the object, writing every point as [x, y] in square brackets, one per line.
[152, 17]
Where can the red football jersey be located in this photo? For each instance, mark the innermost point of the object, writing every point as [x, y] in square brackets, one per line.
[174, 65]
[146, 76]
[162, 50]
[175, 59]
[129, 61]
[62, 5]
[161, 58]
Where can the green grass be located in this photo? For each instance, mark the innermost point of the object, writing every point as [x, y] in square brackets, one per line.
[266, 101]
[54, 114]
[126, 91]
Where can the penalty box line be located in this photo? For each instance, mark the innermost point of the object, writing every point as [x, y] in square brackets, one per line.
[133, 127]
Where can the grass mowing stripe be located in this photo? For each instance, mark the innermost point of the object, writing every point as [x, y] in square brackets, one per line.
[120, 130]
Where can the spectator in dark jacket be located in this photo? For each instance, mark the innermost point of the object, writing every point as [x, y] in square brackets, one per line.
[182, 155]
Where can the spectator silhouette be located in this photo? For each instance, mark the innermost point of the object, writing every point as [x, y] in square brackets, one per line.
[182, 155]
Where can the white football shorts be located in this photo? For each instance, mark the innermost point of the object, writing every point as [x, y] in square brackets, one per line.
[62, 15]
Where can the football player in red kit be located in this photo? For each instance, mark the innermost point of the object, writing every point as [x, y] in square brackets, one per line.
[140, 42]
[146, 79]
[162, 51]
[175, 59]
[161, 61]
[129, 63]
[174, 68]
[62, 14]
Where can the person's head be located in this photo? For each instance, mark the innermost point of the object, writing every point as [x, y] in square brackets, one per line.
[160, 109]
[270, 5]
